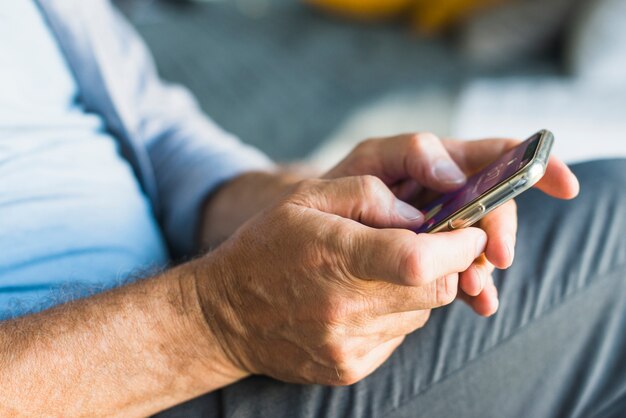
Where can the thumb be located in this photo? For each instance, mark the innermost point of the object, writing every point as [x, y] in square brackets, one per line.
[365, 199]
[421, 157]
[426, 161]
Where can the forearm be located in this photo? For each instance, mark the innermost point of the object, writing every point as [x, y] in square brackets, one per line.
[241, 199]
[130, 352]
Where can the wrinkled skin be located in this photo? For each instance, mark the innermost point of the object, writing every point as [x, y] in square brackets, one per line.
[323, 286]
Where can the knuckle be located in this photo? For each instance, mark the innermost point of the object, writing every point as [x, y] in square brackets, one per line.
[360, 159]
[416, 265]
[444, 292]
[304, 187]
[337, 355]
[346, 258]
[414, 269]
[371, 186]
[409, 268]
[333, 313]
[365, 146]
[347, 375]
[285, 212]
[419, 141]
[429, 137]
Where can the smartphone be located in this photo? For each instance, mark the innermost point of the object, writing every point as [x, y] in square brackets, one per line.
[512, 174]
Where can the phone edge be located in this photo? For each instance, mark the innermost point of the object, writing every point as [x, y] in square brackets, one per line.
[534, 171]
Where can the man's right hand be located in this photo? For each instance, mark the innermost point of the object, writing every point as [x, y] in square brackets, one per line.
[322, 287]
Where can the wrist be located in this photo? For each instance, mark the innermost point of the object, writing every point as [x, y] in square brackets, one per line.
[199, 331]
[239, 200]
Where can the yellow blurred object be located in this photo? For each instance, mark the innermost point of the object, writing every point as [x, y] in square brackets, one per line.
[429, 16]
[365, 9]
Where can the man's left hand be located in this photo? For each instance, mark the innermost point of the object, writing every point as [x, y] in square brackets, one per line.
[415, 163]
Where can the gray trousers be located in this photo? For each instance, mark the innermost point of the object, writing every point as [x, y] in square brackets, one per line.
[557, 346]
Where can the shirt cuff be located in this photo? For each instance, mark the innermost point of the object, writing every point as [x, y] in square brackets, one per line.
[192, 184]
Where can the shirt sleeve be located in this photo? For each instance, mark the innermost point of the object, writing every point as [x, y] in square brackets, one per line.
[190, 155]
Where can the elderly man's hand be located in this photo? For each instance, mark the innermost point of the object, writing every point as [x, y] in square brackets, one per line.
[313, 290]
[414, 163]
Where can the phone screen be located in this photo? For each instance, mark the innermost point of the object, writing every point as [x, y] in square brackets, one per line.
[480, 183]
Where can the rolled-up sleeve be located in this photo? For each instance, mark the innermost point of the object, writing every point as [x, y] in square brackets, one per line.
[191, 157]
[189, 154]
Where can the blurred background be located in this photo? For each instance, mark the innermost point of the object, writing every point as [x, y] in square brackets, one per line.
[309, 79]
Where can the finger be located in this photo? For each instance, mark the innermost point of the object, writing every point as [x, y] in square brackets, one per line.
[486, 303]
[477, 275]
[358, 342]
[425, 160]
[398, 324]
[484, 265]
[421, 157]
[387, 326]
[380, 354]
[501, 228]
[471, 156]
[405, 258]
[355, 368]
[407, 190]
[559, 181]
[365, 199]
[390, 299]
[373, 360]
[472, 281]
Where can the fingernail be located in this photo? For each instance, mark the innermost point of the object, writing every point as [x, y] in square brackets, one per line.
[447, 172]
[481, 243]
[510, 249]
[407, 211]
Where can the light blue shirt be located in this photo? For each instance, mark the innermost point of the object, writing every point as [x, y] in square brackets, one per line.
[102, 164]
[73, 217]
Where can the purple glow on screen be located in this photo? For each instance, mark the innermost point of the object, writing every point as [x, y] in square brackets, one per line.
[481, 182]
